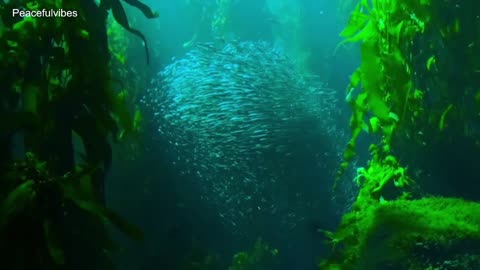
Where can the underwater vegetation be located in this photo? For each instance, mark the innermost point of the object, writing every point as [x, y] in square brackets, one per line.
[36, 196]
[233, 108]
[261, 256]
[397, 93]
[288, 30]
[57, 92]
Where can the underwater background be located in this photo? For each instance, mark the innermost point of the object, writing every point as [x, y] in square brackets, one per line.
[285, 202]
[240, 135]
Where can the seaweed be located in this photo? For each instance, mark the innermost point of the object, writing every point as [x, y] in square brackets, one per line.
[57, 92]
[121, 18]
[402, 97]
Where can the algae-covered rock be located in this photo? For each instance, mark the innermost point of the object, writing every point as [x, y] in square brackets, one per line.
[403, 234]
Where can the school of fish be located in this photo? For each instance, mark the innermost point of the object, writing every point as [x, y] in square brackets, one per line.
[232, 113]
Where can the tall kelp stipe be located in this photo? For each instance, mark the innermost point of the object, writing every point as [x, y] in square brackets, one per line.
[381, 88]
[56, 82]
[388, 227]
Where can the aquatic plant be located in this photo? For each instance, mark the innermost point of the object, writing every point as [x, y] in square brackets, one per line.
[389, 232]
[386, 97]
[121, 17]
[132, 79]
[118, 41]
[37, 195]
[386, 29]
[57, 93]
[260, 257]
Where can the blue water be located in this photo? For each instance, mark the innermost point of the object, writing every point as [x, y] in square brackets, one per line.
[169, 206]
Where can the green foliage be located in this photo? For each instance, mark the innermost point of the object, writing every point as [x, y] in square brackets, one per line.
[384, 100]
[382, 96]
[118, 41]
[133, 80]
[396, 227]
[385, 29]
[380, 172]
[105, 108]
[36, 192]
[121, 17]
[56, 83]
[441, 125]
[260, 257]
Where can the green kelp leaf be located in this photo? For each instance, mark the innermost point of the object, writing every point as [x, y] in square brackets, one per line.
[103, 214]
[374, 124]
[410, 30]
[121, 18]
[355, 78]
[456, 27]
[240, 258]
[367, 33]
[365, 4]
[418, 94]
[79, 184]
[147, 11]
[122, 115]
[393, 116]
[398, 31]
[84, 34]
[120, 57]
[33, 5]
[26, 28]
[441, 124]
[398, 56]
[12, 44]
[360, 26]
[137, 121]
[430, 61]
[356, 22]
[123, 225]
[371, 69]
[53, 243]
[110, 217]
[379, 107]
[16, 201]
[477, 98]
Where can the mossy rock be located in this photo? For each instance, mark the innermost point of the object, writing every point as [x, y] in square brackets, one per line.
[401, 234]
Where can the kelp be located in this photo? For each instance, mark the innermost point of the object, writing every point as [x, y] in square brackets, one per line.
[131, 79]
[388, 95]
[143, 8]
[38, 191]
[57, 82]
[121, 17]
[381, 88]
[261, 256]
